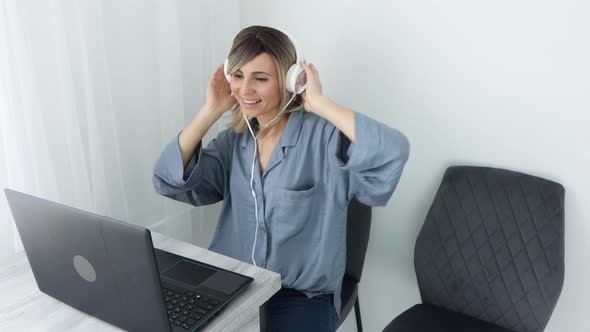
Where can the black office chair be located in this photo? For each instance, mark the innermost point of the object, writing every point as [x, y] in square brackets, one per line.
[357, 239]
[358, 226]
[490, 255]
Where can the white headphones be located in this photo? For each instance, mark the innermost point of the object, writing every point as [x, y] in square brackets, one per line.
[293, 86]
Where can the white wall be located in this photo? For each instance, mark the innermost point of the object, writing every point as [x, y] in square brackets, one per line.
[499, 83]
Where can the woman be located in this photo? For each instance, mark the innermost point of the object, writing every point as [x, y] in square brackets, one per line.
[285, 178]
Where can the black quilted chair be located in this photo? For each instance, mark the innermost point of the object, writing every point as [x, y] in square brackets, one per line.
[357, 239]
[490, 255]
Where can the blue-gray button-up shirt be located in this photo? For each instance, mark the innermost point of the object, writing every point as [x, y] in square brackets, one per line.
[302, 195]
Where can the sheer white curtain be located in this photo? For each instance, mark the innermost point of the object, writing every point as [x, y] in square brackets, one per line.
[90, 91]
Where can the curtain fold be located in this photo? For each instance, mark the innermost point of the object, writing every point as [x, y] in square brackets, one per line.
[90, 92]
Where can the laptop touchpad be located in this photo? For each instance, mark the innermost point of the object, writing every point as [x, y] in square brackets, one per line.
[225, 282]
[189, 273]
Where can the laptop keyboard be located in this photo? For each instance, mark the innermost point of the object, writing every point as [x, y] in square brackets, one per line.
[186, 308]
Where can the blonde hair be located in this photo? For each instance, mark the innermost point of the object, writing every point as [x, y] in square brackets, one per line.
[249, 43]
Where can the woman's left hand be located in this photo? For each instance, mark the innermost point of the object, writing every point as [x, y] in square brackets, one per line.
[313, 89]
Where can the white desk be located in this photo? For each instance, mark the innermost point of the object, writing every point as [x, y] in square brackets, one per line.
[24, 307]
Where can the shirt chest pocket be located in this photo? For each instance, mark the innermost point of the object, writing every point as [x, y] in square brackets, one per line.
[292, 214]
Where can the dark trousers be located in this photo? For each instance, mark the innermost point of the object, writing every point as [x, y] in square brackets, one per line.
[290, 310]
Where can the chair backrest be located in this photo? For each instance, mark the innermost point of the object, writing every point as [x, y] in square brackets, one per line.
[358, 227]
[492, 247]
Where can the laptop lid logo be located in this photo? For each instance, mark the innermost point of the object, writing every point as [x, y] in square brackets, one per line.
[84, 268]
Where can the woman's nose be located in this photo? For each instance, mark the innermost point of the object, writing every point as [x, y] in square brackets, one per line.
[247, 85]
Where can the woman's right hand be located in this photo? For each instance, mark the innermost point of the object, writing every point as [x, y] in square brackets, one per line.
[219, 98]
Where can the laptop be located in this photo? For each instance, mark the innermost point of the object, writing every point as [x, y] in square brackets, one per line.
[110, 270]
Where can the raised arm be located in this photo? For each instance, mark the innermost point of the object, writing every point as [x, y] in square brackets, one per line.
[219, 100]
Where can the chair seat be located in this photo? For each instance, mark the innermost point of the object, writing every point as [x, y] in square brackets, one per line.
[429, 318]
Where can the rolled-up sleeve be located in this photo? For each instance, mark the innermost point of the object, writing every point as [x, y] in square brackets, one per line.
[374, 161]
[204, 179]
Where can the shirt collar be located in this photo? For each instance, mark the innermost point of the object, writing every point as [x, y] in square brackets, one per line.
[291, 131]
[290, 134]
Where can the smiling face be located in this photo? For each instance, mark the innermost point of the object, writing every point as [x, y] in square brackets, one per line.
[256, 87]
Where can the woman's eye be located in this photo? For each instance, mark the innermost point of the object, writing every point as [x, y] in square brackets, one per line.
[260, 79]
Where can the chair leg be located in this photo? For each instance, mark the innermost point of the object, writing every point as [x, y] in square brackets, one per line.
[263, 311]
[357, 314]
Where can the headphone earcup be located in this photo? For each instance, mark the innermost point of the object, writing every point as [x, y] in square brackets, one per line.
[291, 83]
[225, 65]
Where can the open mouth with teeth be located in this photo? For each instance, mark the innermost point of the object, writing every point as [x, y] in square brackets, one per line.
[251, 102]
